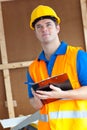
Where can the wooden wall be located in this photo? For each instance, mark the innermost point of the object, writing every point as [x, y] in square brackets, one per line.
[22, 45]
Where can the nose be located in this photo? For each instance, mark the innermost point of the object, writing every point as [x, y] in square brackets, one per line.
[44, 28]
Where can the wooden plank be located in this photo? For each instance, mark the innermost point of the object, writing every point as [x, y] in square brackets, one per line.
[6, 71]
[15, 65]
[84, 19]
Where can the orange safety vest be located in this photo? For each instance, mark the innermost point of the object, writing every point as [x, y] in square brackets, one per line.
[66, 114]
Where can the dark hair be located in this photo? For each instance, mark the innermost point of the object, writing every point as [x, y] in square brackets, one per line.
[44, 17]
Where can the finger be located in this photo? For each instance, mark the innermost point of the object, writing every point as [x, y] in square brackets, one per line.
[42, 92]
[42, 96]
[32, 90]
[53, 87]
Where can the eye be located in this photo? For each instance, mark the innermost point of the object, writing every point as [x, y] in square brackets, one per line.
[38, 26]
[49, 24]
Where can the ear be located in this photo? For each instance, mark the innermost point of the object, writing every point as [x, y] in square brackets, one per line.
[58, 28]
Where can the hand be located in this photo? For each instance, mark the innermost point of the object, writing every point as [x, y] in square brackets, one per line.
[35, 95]
[36, 101]
[55, 93]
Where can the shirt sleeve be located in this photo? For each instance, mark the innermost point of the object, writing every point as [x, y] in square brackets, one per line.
[29, 79]
[82, 67]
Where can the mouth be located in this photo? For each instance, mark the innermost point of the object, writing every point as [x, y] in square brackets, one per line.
[45, 35]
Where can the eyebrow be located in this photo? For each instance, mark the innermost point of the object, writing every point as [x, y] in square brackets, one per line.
[38, 24]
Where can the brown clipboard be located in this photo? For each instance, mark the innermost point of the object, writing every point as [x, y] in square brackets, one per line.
[62, 81]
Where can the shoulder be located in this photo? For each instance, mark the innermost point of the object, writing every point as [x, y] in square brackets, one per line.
[34, 63]
[82, 56]
[72, 51]
[74, 48]
[82, 67]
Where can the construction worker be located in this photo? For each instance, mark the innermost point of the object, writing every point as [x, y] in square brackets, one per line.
[69, 112]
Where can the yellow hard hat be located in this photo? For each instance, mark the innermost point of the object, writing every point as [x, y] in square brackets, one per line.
[41, 11]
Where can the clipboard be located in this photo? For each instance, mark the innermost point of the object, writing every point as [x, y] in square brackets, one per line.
[61, 81]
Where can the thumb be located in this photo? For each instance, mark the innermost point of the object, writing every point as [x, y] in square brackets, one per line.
[53, 87]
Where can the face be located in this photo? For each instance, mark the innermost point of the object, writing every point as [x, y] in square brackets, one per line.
[46, 30]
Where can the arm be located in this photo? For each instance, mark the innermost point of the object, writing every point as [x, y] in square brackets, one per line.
[34, 100]
[80, 93]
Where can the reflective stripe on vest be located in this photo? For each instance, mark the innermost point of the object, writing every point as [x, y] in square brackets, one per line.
[63, 114]
[43, 117]
[68, 114]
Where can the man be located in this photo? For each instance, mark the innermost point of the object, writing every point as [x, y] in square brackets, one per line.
[70, 112]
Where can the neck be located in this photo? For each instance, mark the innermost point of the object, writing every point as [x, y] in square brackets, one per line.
[50, 48]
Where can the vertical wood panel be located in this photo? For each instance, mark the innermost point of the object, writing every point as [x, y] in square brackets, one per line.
[5, 71]
[84, 18]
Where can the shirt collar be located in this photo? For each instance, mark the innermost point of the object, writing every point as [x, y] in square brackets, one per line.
[60, 51]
